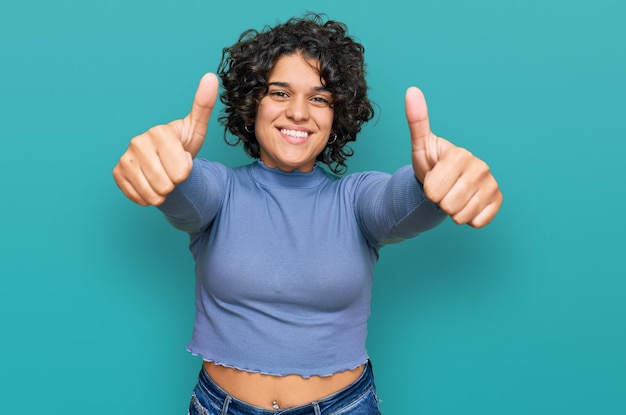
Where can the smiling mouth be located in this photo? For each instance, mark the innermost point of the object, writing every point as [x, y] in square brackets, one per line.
[294, 133]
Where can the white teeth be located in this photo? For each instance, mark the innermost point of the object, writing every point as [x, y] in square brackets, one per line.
[294, 133]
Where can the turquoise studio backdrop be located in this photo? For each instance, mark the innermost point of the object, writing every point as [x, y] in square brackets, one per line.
[525, 316]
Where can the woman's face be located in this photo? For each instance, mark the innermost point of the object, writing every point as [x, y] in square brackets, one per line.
[294, 119]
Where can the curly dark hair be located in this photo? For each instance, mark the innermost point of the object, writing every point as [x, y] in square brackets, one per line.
[245, 68]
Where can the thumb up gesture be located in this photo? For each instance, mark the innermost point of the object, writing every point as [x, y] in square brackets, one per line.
[157, 160]
[460, 183]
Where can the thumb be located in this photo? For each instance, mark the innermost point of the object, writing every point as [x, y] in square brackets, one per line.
[423, 141]
[195, 124]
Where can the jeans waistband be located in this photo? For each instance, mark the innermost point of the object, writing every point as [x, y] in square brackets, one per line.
[329, 404]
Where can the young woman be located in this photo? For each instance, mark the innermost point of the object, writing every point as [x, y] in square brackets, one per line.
[284, 249]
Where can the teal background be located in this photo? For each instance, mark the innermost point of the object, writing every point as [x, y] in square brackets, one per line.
[526, 316]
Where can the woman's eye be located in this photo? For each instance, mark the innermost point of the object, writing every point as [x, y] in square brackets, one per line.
[278, 94]
[321, 101]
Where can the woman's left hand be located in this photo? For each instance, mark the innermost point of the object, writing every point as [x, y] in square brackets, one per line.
[460, 183]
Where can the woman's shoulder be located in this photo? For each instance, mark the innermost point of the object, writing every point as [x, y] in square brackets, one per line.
[218, 168]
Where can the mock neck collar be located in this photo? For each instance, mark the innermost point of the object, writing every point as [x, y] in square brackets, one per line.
[275, 177]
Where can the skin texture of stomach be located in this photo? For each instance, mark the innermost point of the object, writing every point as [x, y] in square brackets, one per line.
[265, 391]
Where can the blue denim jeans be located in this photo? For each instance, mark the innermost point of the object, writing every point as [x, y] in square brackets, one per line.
[359, 398]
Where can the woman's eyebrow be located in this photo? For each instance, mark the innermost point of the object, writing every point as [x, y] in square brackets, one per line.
[280, 84]
[288, 85]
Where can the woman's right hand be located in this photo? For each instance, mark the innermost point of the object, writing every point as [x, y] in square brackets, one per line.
[157, 160]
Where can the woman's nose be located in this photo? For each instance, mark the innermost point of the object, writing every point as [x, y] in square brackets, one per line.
[298, 109]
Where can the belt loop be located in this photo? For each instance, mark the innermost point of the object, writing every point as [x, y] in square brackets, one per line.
[226, 405]
[316, 408]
